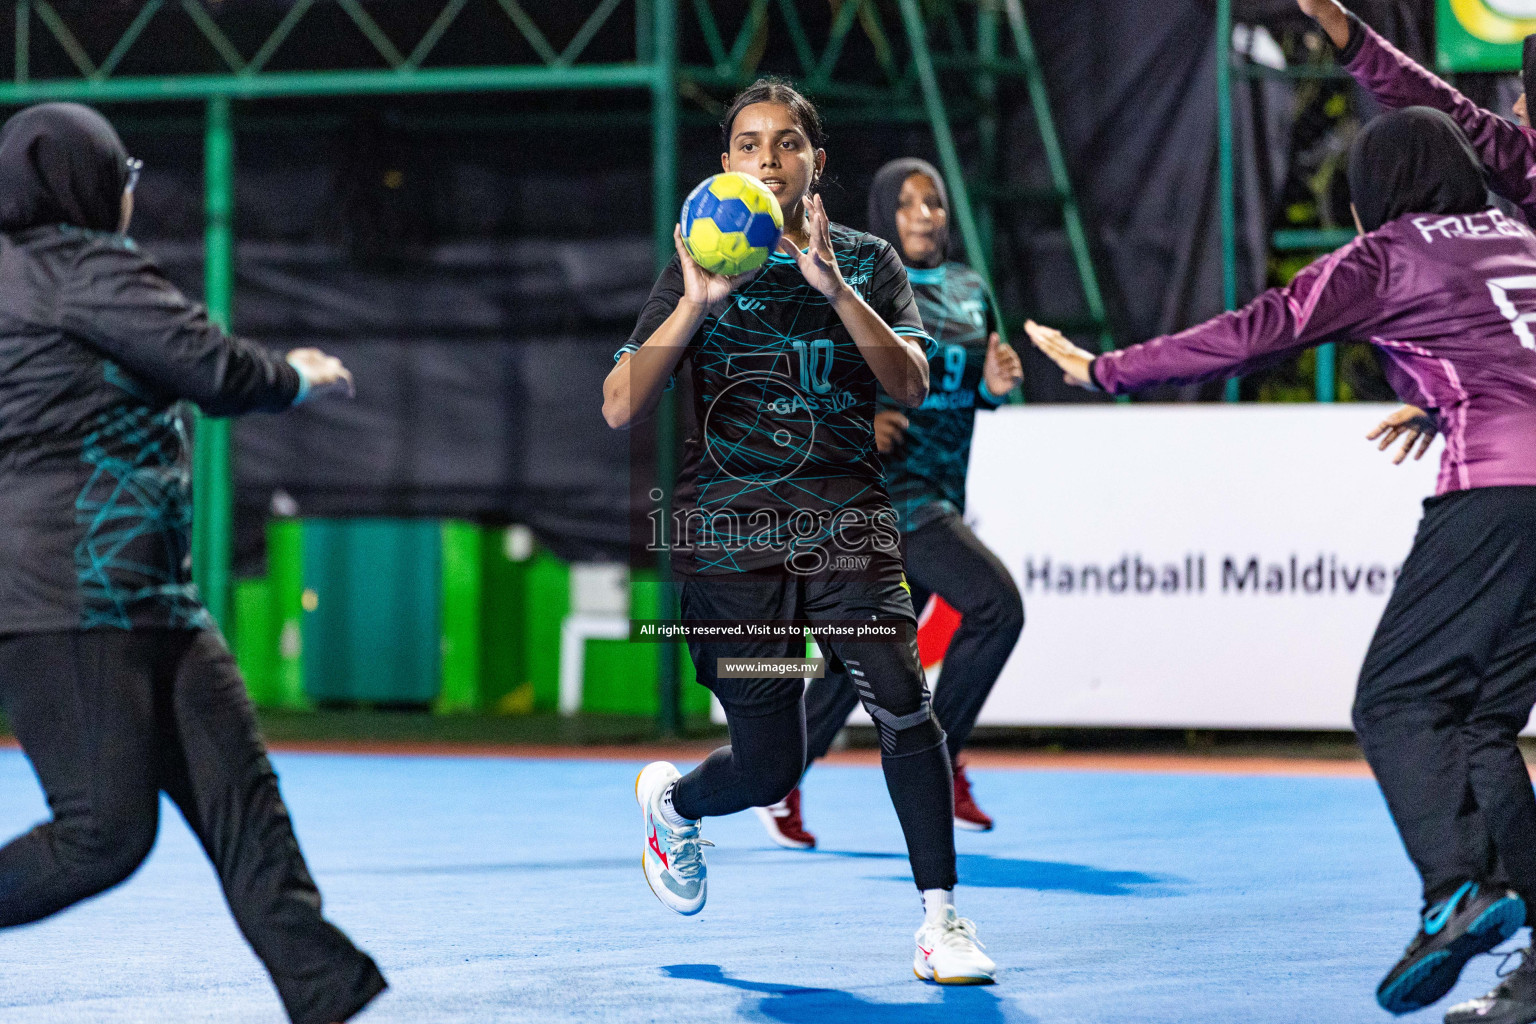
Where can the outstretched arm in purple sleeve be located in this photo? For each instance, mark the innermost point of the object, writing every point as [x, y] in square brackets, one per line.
[1336, 294]
[1396, 80]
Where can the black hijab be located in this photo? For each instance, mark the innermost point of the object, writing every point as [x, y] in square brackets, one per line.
[61, 163]
[884, 196]
[1414, 160]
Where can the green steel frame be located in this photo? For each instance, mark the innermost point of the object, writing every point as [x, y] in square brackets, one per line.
[1224, 166]
[1325, 377]
[930, 39]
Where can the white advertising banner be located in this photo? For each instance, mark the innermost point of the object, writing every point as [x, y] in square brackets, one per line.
[1191, 566]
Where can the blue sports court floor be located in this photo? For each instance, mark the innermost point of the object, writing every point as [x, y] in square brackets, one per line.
[510, 890]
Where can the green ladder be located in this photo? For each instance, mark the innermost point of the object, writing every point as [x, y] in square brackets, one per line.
[1316, 240]
[985, 66]
[909, 90]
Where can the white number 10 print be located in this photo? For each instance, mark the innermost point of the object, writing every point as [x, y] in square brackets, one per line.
[1519, 322]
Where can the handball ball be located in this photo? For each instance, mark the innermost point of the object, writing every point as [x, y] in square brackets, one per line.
[731, 223]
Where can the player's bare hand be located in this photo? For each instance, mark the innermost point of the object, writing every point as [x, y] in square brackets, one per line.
[1003, 370]
[324, 374]
[709, 291]
[1413, 425]
[1074, 361]
[1331, 16]
[817, 263]
[890, 430]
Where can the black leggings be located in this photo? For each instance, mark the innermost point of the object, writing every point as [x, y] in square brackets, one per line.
[109, 719]
[946, 558]
[761, 764]
[1448, 684]
[766, 717]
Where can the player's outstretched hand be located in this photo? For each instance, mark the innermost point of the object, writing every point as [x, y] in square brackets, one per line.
[817, 263]
[1331, 16]
[1413, 425]
[708, 290]
[1074, 361]
[322, 373]
[890, 430]
[1003, 370]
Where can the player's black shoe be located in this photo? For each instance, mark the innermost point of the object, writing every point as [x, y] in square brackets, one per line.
[1473, 920]
[1513, 1000]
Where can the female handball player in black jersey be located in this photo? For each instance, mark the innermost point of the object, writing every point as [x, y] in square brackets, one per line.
[927, 451]
[113, 675]
[781, 514]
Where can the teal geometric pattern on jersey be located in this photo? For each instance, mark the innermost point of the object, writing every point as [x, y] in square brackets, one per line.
[783, 408]
[926, 475]
[133, 560]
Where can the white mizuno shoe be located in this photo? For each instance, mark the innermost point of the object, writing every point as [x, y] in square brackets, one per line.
[673, 860]
[948, 953]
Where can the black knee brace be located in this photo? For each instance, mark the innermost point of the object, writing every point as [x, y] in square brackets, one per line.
[912, 733]
[901, 735]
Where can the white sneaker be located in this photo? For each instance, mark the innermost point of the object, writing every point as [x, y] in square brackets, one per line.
[673, 861]
[948, 953]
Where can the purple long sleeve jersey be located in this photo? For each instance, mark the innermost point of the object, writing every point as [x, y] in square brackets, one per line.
[1506, 149]
[1451, 302]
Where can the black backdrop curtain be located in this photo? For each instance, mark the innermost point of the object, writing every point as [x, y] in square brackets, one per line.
[477, 266]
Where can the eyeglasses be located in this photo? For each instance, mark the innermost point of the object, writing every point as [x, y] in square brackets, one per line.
[135, 167]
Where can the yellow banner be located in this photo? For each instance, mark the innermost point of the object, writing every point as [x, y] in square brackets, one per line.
[1496, 21]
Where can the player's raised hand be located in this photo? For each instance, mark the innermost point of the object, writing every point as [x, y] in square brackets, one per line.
[817, 263]
[323, 374]
[1074, 361]
[1003, 370]
[708, 290]
[1331, 16]
[1410, 423]
[890, 430]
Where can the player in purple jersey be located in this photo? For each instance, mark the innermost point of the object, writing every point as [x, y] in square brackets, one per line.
[1445, 287]
[1507, 150]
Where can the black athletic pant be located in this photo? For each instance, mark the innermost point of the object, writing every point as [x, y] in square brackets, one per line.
[766, 717]
[109, 719]
[946, 558]
[1448, 684]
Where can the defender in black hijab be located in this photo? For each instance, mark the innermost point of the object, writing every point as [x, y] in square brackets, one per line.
[1414, 160]
[112, 674]
[61, 163]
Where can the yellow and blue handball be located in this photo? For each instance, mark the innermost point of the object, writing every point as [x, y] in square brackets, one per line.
[731, 223]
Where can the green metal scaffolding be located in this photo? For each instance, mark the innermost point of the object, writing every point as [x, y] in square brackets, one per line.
[1325, 376]
[931, 38]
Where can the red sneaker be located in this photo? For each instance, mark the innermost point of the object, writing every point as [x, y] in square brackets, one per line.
[783, 823]
[967, 815]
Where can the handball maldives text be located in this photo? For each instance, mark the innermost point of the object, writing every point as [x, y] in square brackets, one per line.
[1231, 574]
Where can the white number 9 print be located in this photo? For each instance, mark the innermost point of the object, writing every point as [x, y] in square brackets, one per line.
[1519, 322]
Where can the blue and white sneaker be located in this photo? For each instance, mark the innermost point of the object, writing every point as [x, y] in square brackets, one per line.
[949, 953]
[673, 861]
[1473, 920]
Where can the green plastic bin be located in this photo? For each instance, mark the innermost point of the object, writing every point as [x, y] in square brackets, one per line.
[371, 600]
